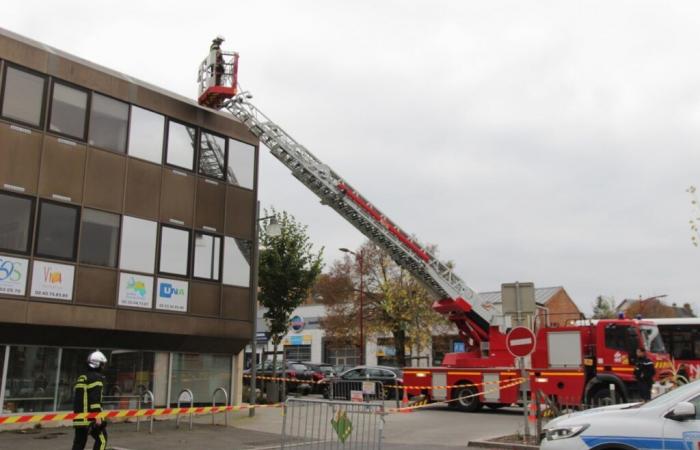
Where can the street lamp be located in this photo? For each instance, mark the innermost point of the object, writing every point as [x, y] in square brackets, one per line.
[360, 260]
[272, 229]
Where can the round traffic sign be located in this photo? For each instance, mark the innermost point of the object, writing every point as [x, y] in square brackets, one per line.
[520, 341]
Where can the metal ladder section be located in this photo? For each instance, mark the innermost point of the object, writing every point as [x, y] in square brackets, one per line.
[335, 192]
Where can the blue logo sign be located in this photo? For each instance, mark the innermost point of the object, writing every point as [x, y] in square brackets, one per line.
[297, 323]
[166, 290]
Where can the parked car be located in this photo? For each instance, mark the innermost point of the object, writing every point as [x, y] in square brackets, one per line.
[293, 371]
[320, 372]
[352, 379]
[671, 420]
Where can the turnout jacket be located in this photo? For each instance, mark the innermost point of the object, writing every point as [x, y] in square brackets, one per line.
[87, 395]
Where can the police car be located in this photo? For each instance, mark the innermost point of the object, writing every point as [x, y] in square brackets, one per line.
[670, 421]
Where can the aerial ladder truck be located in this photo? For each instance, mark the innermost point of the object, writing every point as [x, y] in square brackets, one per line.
[465, 379]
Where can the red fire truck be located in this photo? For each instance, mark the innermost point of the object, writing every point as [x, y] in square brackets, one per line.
[603, 351]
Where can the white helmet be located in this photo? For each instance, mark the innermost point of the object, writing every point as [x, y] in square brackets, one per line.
[96, 360]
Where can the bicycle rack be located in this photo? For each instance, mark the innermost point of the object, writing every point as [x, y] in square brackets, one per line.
[142, 399]
[213, 403]
[179, 401]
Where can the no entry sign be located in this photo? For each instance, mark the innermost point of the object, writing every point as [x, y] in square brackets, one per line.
[520, 341]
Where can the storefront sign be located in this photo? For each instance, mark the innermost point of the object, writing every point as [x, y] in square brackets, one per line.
[171, 295]
[51, 280]
[297, 323]
[13, 275]
[135, 290]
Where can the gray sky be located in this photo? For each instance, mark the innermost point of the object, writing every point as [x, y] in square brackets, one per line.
[536, 141]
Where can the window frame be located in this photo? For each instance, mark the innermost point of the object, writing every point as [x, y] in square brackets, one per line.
[119, 240]
[44, 95]
[88, 107]
[159, 253]
[193, 239]
[166, 146]
[224, 173]
[128, 124]
[32, 223]
[76, 233]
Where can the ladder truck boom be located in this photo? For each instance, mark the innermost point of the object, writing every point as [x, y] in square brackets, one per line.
[458, 301]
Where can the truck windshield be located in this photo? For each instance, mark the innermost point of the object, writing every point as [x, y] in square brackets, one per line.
[652, 339]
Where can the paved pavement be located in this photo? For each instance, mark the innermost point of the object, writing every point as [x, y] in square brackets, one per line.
[436, 428]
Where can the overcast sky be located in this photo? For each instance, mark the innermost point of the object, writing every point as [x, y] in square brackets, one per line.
[535, 141]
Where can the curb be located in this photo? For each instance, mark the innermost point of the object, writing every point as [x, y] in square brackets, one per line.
[502, 445]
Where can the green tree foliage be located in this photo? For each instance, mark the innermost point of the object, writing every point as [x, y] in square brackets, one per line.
[604, 308]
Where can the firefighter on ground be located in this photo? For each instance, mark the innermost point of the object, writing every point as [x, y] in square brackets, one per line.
[217, 58]
[88, 398]
[644, 374]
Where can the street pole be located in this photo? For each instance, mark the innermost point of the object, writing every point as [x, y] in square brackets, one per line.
[253, 344]
[361, 257]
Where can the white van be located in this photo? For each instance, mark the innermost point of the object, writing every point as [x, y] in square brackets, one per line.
[670, 421]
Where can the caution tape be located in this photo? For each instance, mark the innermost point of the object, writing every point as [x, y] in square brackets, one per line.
[127, 413]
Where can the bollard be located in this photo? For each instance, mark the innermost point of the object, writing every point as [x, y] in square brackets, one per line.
[213, 403]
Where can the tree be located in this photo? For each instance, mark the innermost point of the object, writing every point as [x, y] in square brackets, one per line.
[288, 269]
[604, 308]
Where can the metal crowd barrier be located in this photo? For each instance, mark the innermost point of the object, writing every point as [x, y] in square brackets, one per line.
[179, 400]
[371, 390]
[327, 424]
[213, 403]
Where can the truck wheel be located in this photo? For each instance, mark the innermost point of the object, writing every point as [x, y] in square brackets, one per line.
[601, 397]
[471, 404]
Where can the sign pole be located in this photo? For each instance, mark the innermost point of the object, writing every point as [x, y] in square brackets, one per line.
[523, 390]
[520, 342]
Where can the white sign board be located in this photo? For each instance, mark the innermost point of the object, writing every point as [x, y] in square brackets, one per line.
[51, 280]
[356, 396]
[171, 295]
[135, 290]
[369, 388]
[13, 275]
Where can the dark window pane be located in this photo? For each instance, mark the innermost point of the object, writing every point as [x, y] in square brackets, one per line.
[15, 223]
[212, 155]
[146, 135]
[108, 123]
[31, 379]
[207, 253]
[99, 238]
[174, 246]
[181, 145]
[241, 164]
[24, 96]
[56, 235]
[68, 111]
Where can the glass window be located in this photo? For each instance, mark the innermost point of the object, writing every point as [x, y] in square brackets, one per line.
[138, 245]
[212, 155]
[181, 145]
[146, 135]
[31, 379]
[99, 238]
[68, 111]
[298, 353]
[236, 262]
[23, 96]
[207, 256]
[109, 119]
[174, 250]
[57, 232]
[241, 164]
[201, 373]
[15, 222]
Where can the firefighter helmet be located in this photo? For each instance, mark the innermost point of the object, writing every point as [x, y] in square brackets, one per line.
[96, 360]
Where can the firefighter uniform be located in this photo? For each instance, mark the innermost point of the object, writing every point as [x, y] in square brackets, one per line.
[88, 398]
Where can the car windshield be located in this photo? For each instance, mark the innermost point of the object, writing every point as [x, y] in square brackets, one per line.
[652, 339]
[672, 397]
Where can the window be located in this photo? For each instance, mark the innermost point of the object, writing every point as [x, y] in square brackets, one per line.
[15, 223]
[57, 232]
[138, 245]
[241, 164]
[201, 373]
[23, 96]
[181, 145]
[146, 135]
[31, 379]
[207, 256]
[174, 250]
[109, 119]
[298, 353]
[99, 238]
[68, 111]
[621, 338]
[236, 262]
[212, 155]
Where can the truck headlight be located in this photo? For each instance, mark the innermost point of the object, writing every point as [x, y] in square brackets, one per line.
[554, 434]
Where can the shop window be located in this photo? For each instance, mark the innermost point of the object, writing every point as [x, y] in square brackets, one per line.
[174, 251]
[146, 135]
[57, 231]
[31, 379]
[207, 256]
[241, 164]
[201, 373]
[297, 352]
[23, 96]
[181, 145]
[138, 244]
[237, 262]
[109, 120]
[15, 223]
[212, 155]
[99, 238]
[68, 111]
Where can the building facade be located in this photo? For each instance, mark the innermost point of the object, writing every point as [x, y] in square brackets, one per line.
[127, 223]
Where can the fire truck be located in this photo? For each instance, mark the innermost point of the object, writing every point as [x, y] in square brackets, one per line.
[579, 363]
